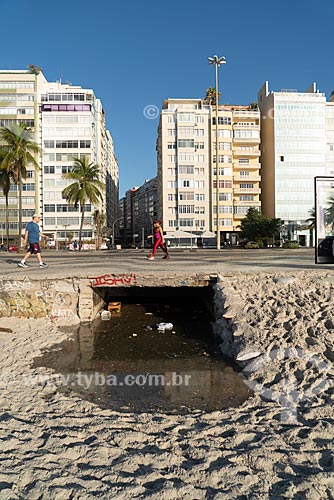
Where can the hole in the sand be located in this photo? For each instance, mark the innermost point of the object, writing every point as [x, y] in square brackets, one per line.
[128, 364]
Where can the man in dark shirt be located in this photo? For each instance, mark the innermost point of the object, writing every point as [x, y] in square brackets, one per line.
[31, 236]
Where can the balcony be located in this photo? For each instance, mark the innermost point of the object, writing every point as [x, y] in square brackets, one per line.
[253, 126]
[246, 166]
[246, 113]
[246, 152]
[248, 140]
[253, 177]
[238, 189]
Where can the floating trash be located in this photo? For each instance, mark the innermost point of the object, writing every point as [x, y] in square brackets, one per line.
[162, 327]
[105, 315]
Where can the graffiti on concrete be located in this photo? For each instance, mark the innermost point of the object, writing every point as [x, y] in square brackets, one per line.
[24, 299]
[6, 285]
[114, 280]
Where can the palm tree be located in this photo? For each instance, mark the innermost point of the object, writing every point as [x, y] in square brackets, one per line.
[210, 95]
[311, 221]
[5, 181]
[19, 150]
[85, 188]
[99, 220]
[330, 211]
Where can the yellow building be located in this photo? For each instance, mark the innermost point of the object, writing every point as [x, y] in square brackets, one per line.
[193, 196]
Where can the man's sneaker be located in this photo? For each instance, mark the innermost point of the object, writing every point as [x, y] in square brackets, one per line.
[150, 257]
[22, 264]
[42, 265]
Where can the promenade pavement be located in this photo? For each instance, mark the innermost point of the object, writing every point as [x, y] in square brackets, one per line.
[65, 264]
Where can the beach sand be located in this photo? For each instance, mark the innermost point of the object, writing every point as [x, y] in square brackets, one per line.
[277, 445]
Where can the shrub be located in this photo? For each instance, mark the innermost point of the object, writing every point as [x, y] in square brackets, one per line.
[290, 244]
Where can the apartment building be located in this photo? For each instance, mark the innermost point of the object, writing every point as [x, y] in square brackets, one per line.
[297, 144]
[68, 122]
[193, 194]
[145, 210]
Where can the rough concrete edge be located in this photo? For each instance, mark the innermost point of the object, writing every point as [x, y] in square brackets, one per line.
[227, 306]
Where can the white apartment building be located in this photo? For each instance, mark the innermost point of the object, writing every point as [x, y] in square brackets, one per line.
[68, 122]
[297, 144]
[188, 194]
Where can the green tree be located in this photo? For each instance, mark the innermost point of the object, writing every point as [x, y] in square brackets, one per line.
[255, 226]
[85, 188]
[19, 150]
[311, 223]
[210, 96]
[99, 219]
[5, 181]
[330, 211]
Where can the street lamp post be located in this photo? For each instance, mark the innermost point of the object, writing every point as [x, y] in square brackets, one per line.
[217, 61]
[113, 231]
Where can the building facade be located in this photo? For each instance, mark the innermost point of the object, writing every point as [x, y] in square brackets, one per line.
[297, 144]
[68, 122]
[193, 194]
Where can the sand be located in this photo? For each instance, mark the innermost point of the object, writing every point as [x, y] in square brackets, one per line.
[277, 445]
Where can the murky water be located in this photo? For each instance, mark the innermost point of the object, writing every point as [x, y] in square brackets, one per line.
[127, 364]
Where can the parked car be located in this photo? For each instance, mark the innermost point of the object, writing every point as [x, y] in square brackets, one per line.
[252, 244]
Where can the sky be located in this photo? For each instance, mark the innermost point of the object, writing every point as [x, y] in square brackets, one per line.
[134, 54]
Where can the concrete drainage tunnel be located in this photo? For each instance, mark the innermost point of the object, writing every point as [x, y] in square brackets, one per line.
[150, 349]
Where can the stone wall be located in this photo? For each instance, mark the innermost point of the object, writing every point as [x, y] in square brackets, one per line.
[68, 299]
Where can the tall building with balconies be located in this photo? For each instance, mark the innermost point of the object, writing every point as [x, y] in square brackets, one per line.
[67, 122]
[293, 152]
[192, 194]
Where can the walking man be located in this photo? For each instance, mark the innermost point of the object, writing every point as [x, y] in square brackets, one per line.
[32, 236]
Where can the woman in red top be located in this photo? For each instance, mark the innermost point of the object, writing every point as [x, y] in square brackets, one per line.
[158, 241]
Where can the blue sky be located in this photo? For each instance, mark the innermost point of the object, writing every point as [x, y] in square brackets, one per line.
[135, 54]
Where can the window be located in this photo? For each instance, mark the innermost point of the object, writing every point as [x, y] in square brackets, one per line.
[199, 145]
[186, 131]
[281, 158]
[171, 145]
[223, 184]
[199, 171]
[67, 144]
[84, 144]
[225, 209]
[222, 120]
[30, 174]
[199, 119]
[186, 209]
[172, 158]
[49, 208]
[225, 222]
[246, 186]
[29, 186]
[186, 222]
[186, 169]
[246, 197]
[171, 184]
[49, 144]
[186, 183]
[200, 158]
[244, 173]
[199, 197]
[199, 132]
[225, 196]
[243, 161]
[186, 195]
[65, 169]
[186, 157]
[199, 184]
[171, 132]
[171, 197]
[49, 169]
[199, 210]
[185, 117]
[185, 143]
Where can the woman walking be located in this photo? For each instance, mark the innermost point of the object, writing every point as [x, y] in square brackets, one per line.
[159, 241]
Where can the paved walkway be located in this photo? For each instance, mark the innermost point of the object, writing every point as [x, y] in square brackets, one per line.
[64, 264]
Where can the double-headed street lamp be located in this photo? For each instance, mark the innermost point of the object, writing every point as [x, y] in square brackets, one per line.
[217, 61]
